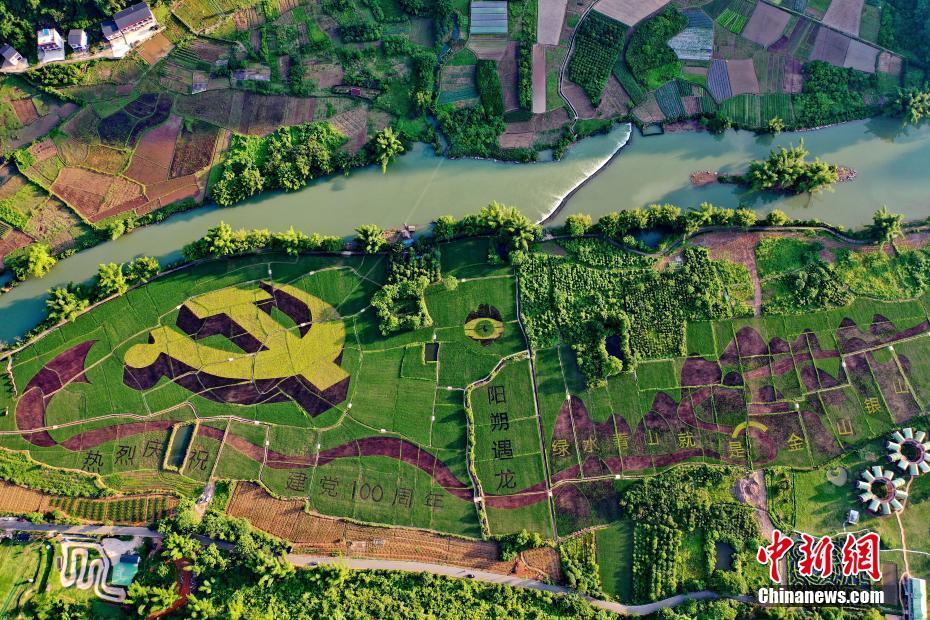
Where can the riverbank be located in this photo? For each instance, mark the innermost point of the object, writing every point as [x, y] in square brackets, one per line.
[420, 186]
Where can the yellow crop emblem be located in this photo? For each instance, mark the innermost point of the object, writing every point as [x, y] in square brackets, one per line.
[308, 350]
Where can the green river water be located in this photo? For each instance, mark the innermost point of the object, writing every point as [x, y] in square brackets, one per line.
[893, 165]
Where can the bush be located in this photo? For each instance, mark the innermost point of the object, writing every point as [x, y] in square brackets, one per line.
[525, 75]
[360, 32]
[57, 74]
[578, 224]
[512, 545]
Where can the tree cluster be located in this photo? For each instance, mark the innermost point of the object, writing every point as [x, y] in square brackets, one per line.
[401, 303]
[655, 561]
[287, 159]
[579, 565]
[649, 56]
[598, 43]
[912, 103]
[831, 95]
[67, 302]
[787, 170]
[221, 241]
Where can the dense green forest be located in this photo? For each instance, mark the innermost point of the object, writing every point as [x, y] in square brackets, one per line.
[909, 29]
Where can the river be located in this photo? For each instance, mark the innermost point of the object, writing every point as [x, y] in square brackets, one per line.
[892, 163]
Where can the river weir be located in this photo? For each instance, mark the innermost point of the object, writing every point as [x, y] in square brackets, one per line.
[617, 170]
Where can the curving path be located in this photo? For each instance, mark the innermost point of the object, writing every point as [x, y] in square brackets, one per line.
[80, 571]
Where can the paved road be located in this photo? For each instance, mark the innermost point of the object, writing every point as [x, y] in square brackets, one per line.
[85, 530]
[368, 564]
[510, 580]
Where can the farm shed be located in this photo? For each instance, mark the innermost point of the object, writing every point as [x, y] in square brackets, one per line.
[488, 17]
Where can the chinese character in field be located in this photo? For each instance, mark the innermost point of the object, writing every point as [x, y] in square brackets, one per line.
[844, 427]
[622, 441]
[589, 444]
[652, 437]
[403, 497]
[152, 449]
[500, 422]
[506, 480]
[496, 395]
[686, 439]
[872, 405]
[200, 458]
[503, 449]
[816, 556]
[125, 455]
[93, 461]
[737, 449]
[773, 553]
[329, 486]
[297, 482]
[560, 447]
[899, 386]
[795, 443]
[434, 500]
[860, 555]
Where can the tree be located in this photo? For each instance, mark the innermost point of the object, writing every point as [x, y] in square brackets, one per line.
[111, 280]
[33, 262]
[46, 606]
[578, 224]
[370, 238]
[775, 125]
[291, 241]
[787, 169]
[220, 240]
[387, 147]
[776, 217]
[913, 104]
[64, 304]
[886, 226]
[147, 600]
[179, 546]
[444, 228]
[142, 269]
[744, 217]
[450, 282]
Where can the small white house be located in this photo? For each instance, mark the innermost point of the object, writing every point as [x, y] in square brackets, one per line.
[51, 46]
[77, 39]
[11, 58]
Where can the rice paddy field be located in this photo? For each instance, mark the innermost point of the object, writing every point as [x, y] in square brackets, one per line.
[212, 372]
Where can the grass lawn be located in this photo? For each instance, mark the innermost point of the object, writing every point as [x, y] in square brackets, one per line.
[777, 255]
[615, 559]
